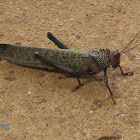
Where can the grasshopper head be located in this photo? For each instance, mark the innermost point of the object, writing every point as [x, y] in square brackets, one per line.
[114, 58]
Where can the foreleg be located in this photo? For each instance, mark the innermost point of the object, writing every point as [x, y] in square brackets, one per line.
[106, 82]
[125, 73]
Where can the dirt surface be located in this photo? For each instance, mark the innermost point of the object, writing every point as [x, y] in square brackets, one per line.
[35, 104]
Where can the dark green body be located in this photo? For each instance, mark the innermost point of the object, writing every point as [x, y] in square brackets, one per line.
[25, 56]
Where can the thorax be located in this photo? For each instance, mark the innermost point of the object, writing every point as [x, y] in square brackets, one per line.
[101, 57]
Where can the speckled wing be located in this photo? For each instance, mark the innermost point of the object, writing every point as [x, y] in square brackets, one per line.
[25, 56]
[22, 55]
[75, 59]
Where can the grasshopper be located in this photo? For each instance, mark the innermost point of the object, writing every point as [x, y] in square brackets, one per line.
[73, 62]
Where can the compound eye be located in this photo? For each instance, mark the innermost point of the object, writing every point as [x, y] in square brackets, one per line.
[117, 54]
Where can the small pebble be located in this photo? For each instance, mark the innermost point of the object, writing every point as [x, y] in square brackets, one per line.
[49, 42]
[124, 81]
[91, 111]
[59, 3]
[60, 24]
[6, 125]
[79, 21]
[71, 19]
[10, 78]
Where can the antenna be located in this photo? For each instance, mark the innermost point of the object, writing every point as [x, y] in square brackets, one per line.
[130, 48]
[130, 43]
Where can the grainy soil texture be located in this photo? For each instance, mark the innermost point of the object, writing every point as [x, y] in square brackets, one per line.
[36, 105]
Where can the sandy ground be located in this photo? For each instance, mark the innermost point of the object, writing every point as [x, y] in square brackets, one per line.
[35, 104]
